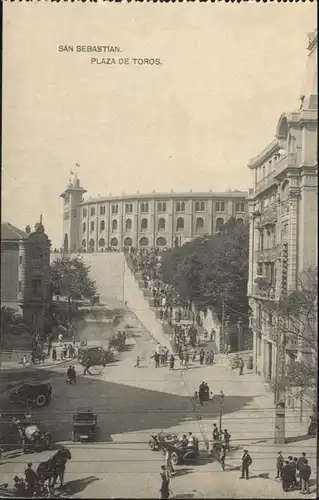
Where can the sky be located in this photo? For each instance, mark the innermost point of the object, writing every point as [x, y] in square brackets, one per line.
[227, 73]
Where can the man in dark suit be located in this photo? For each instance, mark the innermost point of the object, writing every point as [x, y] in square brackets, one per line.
[246, 462]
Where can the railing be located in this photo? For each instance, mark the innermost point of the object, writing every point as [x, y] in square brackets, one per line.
[266, 182]
[289, 160]
[292, 344]
[268, 254]
[268, 217]
[266, 293]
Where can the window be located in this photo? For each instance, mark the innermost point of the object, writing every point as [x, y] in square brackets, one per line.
[102, 242]
[102, 225]
[259, 269]
[91, 245]
[199, 223]
[114, 242]
[144, 207]
[180, 224]
[84, 243]
[92, 212]
[240, 207]
[219, 224]
[102, 210]
[74, 212]
[20, 260]
[220, 206]
[161, 206]
[144, 224]
[199, 206]
[261, 240]
[161, 224]
[92, 226]
[84, 227]
[37, 255]
[36, 287]
[128, 225]
[114, 225]
[143, 242]
[180, 206]
[20, 286]
[128, 242]
[161, 242]
[115, 208]
[128, 208]
[85, 212]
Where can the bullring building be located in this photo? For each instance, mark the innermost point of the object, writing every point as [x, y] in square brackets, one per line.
[145, 220]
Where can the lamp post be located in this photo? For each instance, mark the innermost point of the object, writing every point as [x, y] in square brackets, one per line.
[239, 335]
[221, 409]
[280, 399]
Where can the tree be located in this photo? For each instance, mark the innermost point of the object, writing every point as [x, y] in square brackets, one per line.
[12, 327]
[296, 321]
[211, 269]
[70, 277]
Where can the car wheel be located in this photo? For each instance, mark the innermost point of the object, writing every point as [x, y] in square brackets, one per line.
[174, 458]
[152, 444]
[41, 400]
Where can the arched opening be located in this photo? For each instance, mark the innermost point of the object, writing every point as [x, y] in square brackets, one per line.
[161, 224]
[114, 242]
[176, 242]
[83, 243]
[114, 225]
[161, 242]
[240, 220]
[128, 242]
[219, 224]
[66, 244]
[144, 242]
[180, 224]
[183, 206]
[92, 227]
[202, 206]
[91, 245]
[282, 128]
[144, 224]
[84, 227]
[128, 225]
[199, 224]
[102, 242]
[102, 225]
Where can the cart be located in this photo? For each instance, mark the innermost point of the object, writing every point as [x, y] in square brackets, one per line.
[84, 425]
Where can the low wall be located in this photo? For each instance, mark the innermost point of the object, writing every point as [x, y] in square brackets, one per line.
[138, 304]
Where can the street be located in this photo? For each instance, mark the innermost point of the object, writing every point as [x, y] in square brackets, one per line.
[132, 403]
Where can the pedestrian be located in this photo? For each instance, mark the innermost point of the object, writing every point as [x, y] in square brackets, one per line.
[168, 462]
[73, 374]
[241, 366]
[186, 360]
[223, 456]
[201, 356]
[24, 360]
[165, 483]
[60, 337]
[286, 476]
[87, 365]
[293, 468]
[305, 474]
[137, 364]
[157, 360]
[227, 437]
[171, 362]
[246, 462]
[31, 479]
[54, 354]
[280, 463]
[302, 461]
[215, 432]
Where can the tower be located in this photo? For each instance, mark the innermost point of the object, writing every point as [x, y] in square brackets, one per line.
[72, 196]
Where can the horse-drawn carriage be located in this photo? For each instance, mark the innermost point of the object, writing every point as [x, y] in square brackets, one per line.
[157, 440]
[84, 425]
[118, 341]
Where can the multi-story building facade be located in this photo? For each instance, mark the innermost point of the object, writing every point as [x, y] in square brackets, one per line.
[283, 221]
[25, 272]
[146, 220]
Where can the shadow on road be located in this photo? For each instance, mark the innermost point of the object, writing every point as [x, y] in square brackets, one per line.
[120, 408]
[76, 486]
[296, 439]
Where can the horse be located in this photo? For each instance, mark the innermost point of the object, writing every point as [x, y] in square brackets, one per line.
[54, 468]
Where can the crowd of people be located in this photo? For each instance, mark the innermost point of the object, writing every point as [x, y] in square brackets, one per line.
[289, 469]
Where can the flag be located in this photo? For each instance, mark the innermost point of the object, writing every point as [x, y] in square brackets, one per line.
[71, 172]
[77, 164]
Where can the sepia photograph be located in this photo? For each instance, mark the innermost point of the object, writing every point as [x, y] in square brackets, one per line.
[159, 262]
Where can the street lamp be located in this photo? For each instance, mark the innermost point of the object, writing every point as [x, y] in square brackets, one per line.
[239, 336]
[280, 398]
[222, 397]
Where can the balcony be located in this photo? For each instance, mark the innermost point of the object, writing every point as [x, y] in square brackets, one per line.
[266, 182]
[264, 292]
[268, 254]
[292, 344]
[268, 217]
[287, 161]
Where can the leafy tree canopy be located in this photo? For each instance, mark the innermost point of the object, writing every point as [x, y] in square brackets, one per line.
[211, 267]
[71, 277]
